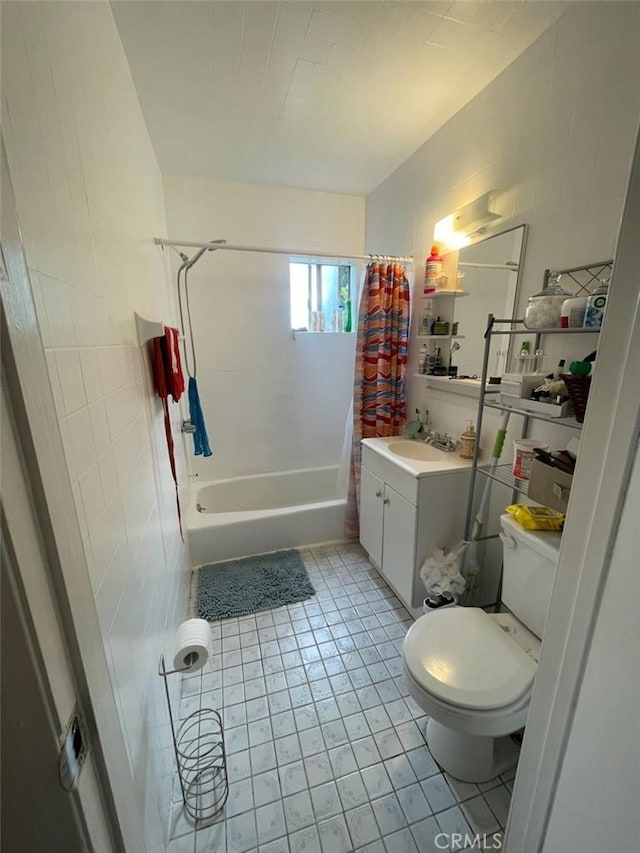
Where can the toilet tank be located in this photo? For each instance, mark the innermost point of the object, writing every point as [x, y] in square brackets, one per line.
[530, 560]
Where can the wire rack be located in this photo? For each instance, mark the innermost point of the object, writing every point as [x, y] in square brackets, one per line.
[582, 281]
[201, 759]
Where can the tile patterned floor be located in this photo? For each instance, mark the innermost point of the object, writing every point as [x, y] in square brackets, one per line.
[326, 752]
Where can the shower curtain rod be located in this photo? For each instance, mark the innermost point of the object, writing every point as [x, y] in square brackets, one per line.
[212, 245]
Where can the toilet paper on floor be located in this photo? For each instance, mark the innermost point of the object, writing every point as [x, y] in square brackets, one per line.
[192, 645]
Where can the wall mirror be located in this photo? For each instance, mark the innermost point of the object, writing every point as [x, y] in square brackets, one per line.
[491, 270]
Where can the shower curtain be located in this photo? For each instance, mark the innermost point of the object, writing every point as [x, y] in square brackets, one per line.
[380, 367]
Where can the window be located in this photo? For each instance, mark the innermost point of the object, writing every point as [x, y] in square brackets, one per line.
[320, 292]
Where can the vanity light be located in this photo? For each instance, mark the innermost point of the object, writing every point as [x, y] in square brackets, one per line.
[457, 229]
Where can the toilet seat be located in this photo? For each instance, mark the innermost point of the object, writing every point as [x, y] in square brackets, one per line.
[462, 658]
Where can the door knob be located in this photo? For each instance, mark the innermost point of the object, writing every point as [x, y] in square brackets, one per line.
[378, 494]
[386, 501]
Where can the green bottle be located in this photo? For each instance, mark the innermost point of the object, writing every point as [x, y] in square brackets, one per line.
[347, 316]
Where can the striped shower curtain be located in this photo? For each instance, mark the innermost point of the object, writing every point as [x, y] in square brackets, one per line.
[380, 367]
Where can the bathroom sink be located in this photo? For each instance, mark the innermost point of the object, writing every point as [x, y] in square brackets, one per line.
[416, 450]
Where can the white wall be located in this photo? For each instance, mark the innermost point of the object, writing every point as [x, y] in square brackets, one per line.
[555, 133]
[89, 197]
[595, 806]
[271, 402]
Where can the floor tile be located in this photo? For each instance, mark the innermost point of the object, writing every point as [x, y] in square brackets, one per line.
[352, 791]
[305, 841]
[400, 842]
[376, 780]
[438, 793]
[325, 800]
[389, 814]
[499, 800]
[292, 778]
[270, 822]
[414, 803]
[362, 826]
[425, 833]
[318, 769]
[334, 835]
[480, 817]
[400, 771]
[266, 788]
[241, 832]
[298, 811]
[281, 845]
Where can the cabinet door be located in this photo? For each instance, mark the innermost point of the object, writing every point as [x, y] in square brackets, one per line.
[399, 544]
[371, 507]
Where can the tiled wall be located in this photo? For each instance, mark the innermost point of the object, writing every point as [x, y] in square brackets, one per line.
[90, 199]
[554, 132]
[272, 402]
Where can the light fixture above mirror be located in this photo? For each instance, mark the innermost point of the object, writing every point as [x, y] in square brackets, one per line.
[458, 228]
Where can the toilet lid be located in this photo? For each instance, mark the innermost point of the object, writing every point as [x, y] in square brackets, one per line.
[462, 656]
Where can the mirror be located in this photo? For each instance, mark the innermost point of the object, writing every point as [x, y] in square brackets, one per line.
[491, 276]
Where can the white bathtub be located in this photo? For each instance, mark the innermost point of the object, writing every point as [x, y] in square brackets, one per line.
[252, 515]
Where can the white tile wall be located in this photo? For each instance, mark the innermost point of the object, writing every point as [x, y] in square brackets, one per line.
[90, 199]
[271, 403]
[555, 133]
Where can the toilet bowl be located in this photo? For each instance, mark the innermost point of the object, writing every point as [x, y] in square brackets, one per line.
[472, 672]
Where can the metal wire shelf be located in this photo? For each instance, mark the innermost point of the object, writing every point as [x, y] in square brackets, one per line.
[504, 474]
[201, 760]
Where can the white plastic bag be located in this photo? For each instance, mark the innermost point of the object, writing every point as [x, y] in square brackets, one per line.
[441, 572]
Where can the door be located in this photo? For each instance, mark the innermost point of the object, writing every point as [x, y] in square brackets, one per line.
[399, 544]
[371, 513]
[35, 806]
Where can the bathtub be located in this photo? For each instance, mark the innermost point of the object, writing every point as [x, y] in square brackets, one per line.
[252, 515]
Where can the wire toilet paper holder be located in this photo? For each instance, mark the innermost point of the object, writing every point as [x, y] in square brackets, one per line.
[198, 745]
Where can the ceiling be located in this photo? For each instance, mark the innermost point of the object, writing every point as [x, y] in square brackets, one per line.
[330, 96]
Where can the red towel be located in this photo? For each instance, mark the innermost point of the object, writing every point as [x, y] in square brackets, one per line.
[168, 380]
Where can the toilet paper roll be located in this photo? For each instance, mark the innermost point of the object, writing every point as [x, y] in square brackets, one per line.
[192, 643]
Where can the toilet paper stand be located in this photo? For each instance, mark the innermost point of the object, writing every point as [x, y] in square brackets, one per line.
[198, 744]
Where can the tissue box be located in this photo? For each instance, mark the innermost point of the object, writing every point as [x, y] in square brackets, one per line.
[549, 486]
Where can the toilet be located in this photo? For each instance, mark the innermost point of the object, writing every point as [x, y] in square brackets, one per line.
[472, 672]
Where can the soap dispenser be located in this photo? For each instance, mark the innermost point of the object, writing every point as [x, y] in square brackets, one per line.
[467, 444]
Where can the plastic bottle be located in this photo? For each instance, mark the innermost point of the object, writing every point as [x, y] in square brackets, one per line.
[422, 359]
[432, 270]
[596, 306]
[557, 373]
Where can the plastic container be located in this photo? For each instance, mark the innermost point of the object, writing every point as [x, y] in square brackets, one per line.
[596, 306]
[572, 312]
[523, 456]
[432, 270]
[544, 309]
[422, 359]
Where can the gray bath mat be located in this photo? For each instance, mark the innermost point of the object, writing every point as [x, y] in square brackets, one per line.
[251, 584]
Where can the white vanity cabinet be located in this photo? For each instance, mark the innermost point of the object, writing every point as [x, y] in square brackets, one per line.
[404, 518]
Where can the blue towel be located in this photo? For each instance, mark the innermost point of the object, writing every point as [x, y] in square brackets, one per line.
[200, 437]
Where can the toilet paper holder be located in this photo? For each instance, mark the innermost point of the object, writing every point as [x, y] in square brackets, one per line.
[198, 745]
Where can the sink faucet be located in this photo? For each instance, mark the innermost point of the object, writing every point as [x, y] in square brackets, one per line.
[442, 441]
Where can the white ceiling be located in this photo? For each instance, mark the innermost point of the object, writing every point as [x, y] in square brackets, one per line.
[330, 96]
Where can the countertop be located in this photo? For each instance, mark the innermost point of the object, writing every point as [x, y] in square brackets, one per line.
[417, 467]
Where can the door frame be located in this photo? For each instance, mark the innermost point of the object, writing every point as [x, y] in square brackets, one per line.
[40, 445]
[607, 452]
